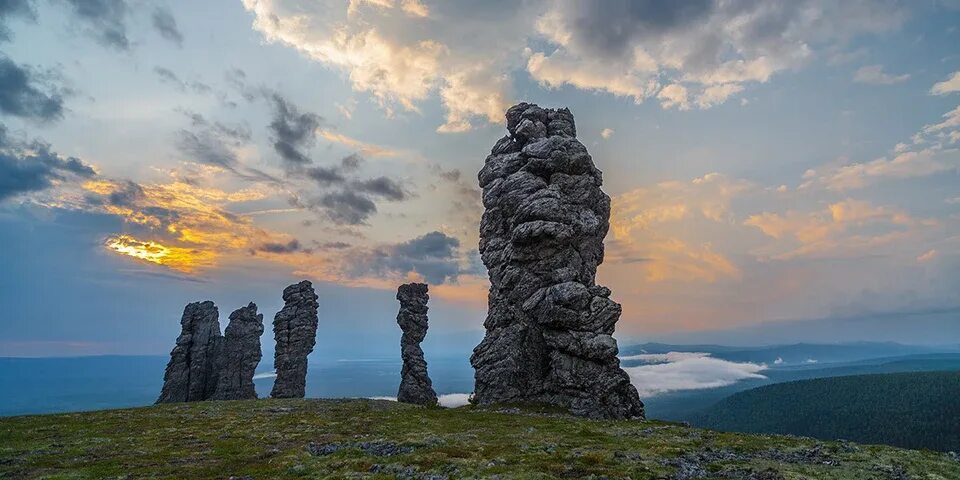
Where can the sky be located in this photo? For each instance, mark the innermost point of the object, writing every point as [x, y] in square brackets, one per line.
[769, 163]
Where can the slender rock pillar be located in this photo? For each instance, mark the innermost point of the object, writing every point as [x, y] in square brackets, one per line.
[241, 354]
[415, 385]
[295, 330]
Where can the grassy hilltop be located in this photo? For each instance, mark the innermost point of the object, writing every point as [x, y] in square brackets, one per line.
[266, 439]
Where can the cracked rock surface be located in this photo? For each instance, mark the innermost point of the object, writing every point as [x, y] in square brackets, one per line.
[549, 326]
[415, 385]
[241, 355]
[193, 370]
[295, 330]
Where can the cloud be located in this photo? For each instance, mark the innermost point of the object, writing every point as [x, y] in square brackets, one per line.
[401, 60]
[292, 131]
[640, 228]
[929, 152]
[689, 371]
[166, 25]
[345, 207]
[21, 94]
[11, 9]
[928, 256]
[453, 400]
[177, 225]
[280, 248]
[184, 260]
[433, 256]
[364, 148]
[703, 50]
[874, 75]
[845, 227]
[382, 187]
[104, 20]
[33, 167]
[606, 133]
[947, 86]
[168, 76]
[215, 144]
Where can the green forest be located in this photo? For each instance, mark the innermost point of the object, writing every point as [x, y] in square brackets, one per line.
[911, 410]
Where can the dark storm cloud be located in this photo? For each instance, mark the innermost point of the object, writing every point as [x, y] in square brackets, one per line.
[325, 176]
[434, 256]
[166, 25]
[105, 20]
[381, 187]
[20, 94]
[348, 200]
[33, 167]
[290, 247]
[351, 163]
[346, 207]
[611, 30]
[292, 131]
[14, 8]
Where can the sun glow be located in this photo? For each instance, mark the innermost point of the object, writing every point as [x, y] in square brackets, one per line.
[182, 259]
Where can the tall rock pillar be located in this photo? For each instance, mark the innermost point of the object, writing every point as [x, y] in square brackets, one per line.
[241, 354]
[295, 330]
[549, 325]
[415, 385]
[193, 370]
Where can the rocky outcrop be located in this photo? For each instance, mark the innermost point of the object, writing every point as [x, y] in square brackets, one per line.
[415, 385]
[295, 330]
[193, 370]
[549, 326]
[241, 354]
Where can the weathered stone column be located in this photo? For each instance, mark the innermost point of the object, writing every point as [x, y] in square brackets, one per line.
[415, 385]
[549, 326]
[241, 354]
[295, 330]
[193, 370]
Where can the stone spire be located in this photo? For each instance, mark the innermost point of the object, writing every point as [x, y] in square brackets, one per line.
[193, 370]
[415, 385]
[241, 354]
[549, 326]
[295, 330]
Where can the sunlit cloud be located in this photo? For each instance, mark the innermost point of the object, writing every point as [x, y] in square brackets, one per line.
[849, 227]
[949, 85]
[181, 259]
[394, 58]
[366, 149]
[929, 152]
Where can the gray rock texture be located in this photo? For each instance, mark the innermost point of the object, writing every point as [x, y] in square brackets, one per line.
[549, 326]
[241, 354]
[193, 370]
[295, 330]
[415, 385]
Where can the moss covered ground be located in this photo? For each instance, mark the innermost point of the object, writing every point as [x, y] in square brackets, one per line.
[268, 439]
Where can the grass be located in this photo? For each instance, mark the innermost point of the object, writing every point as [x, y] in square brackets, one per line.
[266, 439]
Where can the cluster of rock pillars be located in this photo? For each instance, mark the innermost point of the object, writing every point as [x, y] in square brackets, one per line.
[549, 326]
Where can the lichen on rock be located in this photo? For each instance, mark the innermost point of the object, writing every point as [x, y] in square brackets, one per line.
[549, 326]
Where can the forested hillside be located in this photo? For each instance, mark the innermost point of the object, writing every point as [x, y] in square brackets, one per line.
[913, 410]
